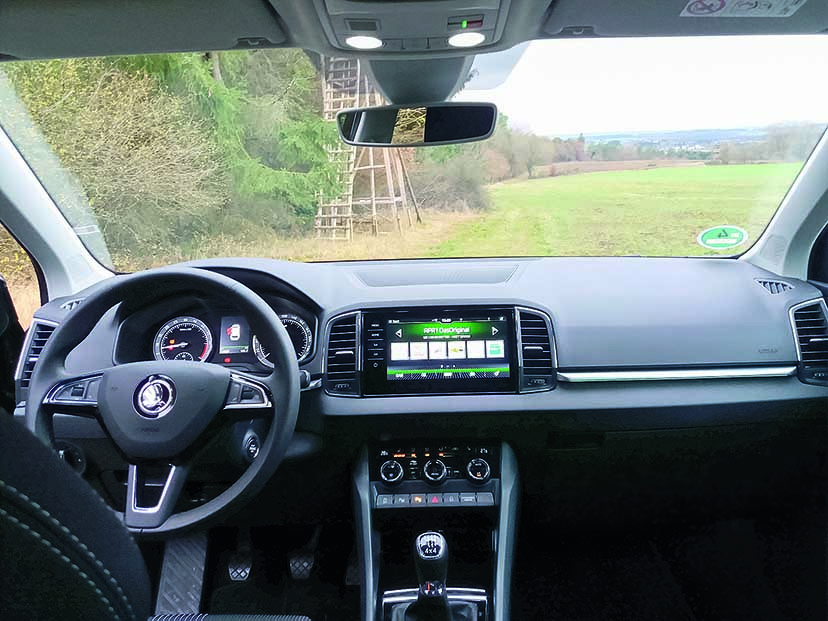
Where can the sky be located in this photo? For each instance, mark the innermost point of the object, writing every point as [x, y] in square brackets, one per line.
[565, 87]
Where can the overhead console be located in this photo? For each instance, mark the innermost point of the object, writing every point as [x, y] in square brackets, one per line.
[412, 25]
[438, 351]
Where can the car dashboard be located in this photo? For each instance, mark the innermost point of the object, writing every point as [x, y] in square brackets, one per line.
[455, 392]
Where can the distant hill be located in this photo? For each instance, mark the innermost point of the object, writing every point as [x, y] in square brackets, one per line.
[690, 136]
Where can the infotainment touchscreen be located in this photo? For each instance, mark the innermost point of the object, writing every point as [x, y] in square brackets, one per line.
[439, 351]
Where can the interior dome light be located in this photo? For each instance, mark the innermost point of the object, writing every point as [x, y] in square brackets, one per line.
[466, 39]
[362, 42]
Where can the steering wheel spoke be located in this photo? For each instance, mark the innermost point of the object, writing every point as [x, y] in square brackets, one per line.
[150, 501]
[248, 397]
[77, 396]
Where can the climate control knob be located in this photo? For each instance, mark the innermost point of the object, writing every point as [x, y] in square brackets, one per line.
[478, 470]
[391, 471]
[435, 471]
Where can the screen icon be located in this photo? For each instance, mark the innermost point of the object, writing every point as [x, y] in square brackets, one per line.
[437, 350]
[457, 349]
[476, 349]
[399, 351]
[494, 349]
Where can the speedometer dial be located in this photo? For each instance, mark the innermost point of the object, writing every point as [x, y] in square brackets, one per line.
[183, 338]
[300, 335]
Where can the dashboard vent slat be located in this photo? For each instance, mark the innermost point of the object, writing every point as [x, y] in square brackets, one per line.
[40, 333]
[775, 286]
[341, 361]
[811, 327]
[537, 352]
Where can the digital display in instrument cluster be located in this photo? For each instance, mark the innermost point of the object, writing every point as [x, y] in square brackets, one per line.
[234, 337]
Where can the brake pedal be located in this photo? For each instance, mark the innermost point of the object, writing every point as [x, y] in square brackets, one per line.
[241, 562]
[302, 562]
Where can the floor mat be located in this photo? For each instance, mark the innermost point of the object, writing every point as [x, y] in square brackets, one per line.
[763, 569]
[270, 589]
[584, 578]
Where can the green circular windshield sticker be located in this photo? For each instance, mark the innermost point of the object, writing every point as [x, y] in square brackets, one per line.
[722, 237]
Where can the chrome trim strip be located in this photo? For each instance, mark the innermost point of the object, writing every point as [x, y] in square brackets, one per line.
[259, 388]
[796, 307]
[165, 492]
[676, 374]
[399, 596]
[50, 399]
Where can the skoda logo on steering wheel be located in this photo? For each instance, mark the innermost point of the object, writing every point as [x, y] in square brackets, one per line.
[155, 396]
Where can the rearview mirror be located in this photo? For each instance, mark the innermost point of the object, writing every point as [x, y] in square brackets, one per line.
[413, 126]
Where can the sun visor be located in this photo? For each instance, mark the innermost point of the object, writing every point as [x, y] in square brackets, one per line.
[58, 29]
[611, 18]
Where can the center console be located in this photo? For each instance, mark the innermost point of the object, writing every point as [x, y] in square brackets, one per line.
[463, 493]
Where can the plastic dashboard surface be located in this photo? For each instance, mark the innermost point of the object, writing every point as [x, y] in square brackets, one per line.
[608, 314]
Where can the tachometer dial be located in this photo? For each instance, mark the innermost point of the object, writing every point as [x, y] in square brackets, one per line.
[300, 335]
[183, 338]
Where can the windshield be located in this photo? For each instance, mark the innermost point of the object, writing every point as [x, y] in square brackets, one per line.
[651, 147]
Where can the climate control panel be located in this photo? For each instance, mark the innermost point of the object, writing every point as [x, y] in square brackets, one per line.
[435, 464]
[435, 474]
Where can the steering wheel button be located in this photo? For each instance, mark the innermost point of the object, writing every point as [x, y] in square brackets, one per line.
[234, 394]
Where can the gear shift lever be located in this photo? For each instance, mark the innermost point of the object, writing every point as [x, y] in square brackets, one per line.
[431, 558]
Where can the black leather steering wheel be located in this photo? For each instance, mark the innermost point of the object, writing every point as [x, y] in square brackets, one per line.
[156, 411]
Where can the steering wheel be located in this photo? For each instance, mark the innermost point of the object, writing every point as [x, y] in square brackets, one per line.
[157, 412]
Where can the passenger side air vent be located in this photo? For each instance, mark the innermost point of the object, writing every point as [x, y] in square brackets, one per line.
[537, 351]
[341, 370]
[39, 333]
[812, 341]
[775, 286]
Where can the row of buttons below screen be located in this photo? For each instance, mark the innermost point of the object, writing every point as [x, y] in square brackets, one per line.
[462, 499]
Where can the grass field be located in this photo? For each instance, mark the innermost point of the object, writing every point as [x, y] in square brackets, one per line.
[650, 212]
[657, 212]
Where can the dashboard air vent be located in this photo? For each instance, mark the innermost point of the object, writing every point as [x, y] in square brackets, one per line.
[775, 286]
[341, 372]
[811, 328]
[537, 351]
[39, 334]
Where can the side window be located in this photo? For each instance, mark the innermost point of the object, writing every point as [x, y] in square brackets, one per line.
[17, 269]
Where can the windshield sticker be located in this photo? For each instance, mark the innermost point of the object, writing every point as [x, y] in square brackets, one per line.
[722, 237]
[741, 8]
